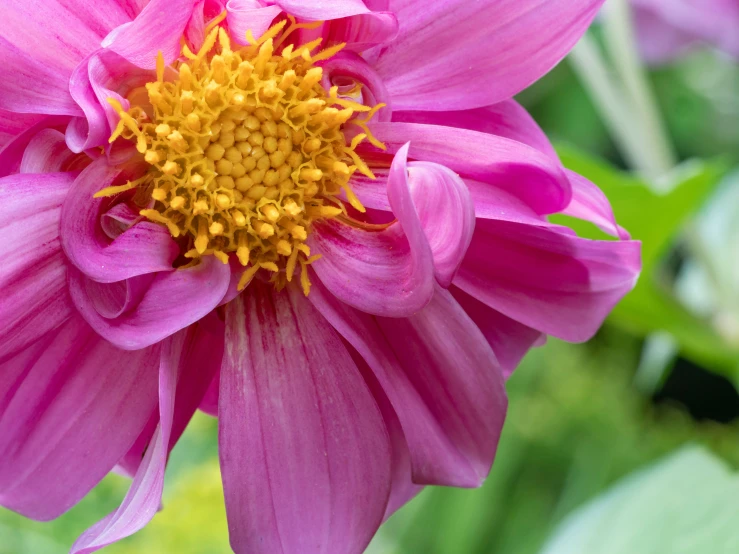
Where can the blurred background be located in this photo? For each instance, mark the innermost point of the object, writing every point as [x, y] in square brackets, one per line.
[626, 444]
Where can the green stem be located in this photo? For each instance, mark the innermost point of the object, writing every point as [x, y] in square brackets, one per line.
[610, 101]
[620, 41]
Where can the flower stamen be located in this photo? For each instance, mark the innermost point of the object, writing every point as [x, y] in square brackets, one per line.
[246, 150]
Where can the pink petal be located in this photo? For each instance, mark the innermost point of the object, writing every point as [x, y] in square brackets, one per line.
[33, 273]
[47, 152]
[349, 65]
[535, 178]
[173, 301]
[30, 86]
[509, 339]
[506, 119]
[304, 452]
[249, 15]
[388, 272]
[589, 203]
[323, 10]
[91, 84]
[157, 28]
[372, 192]
[41, 43]
[446, 212]
[402, 489]
[458, 55]
[546, 279]
[441, 378]
[12, 153]
[78, 408]
[187, 363]
[13, 124]
[144, 248]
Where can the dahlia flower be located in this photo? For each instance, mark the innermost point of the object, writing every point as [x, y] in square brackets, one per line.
[668, 28]
[323, 222]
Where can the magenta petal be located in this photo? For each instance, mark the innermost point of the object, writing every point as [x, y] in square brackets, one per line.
[13, 124]
[30, 86]
[509, 339]
[188, 362]
[457, 54]
[33, 273]
[12, 153]
[46, 153]
[447, 215]
[158, 28]
[173, 301]
[91, 84]
[589, 203]
[523, 171]
[144, 248]
[506, 119]
[42, 42]
[402, 488]
[249, 15]
[388, 272]
[323, 10]
[546, 279]
[80, 405]
[441, 378]
[304, 451]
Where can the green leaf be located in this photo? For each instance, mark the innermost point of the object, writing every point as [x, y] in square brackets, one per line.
[685, 504]
[657, 220]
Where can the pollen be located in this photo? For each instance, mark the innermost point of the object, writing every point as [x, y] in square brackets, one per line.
[246, 150]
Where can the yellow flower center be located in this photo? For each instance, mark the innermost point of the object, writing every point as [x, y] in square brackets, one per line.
[246, 150]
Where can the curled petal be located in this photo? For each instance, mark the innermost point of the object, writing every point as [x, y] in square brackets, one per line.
[388, 272]
[173, 301]
[249, 15]
[157, 28]
[100, 76]
[144, 248]
[11, 156]
[446, 212]
[47, 152]
[297, 430]
[521, 170]
[547, 279]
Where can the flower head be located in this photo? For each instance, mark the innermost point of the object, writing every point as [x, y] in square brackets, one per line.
[323, 222]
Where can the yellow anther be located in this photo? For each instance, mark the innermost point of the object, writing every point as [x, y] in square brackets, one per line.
[311, 174]
[216, 228]
[284, 248]
[152, 157]
[264, 230]
[271, 213]
[177, 203]
[223, 201]
[159, 194]
[170, 168]
[162, 130]
[242, 252]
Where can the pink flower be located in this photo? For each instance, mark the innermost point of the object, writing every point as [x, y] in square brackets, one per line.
[668, 28]
[163, 204]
